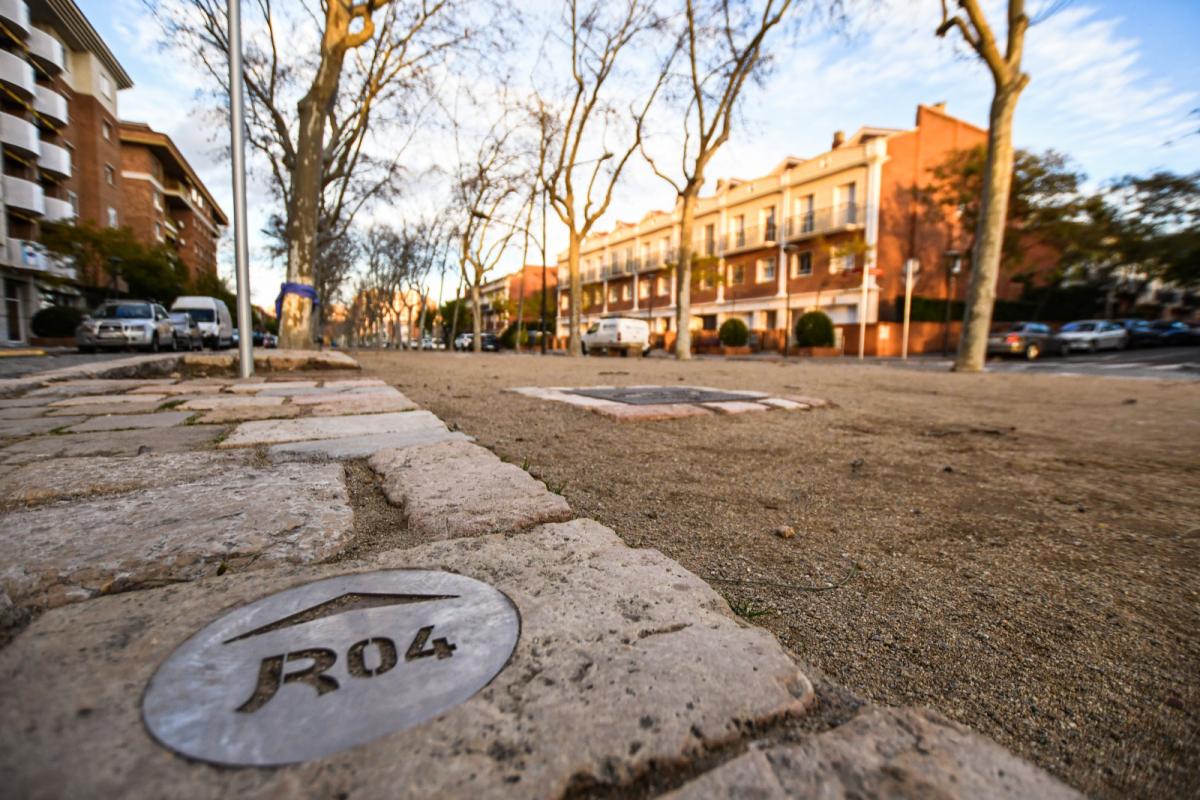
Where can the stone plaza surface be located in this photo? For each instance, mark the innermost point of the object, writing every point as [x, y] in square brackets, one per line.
[653, 403]
[630, 675]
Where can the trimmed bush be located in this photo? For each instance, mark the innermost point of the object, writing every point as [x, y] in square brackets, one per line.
[508, 337]
[56, 322]
[733, 333]
[814, 329]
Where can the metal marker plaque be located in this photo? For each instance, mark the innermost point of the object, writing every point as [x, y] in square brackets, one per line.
[329, 665]
[661, 395]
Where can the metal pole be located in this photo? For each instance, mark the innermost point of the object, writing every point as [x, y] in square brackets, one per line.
[862, 317]
[543, 320]
[237, 135]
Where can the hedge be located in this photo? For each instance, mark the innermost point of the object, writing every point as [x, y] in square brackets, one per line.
[56, 322]
[733, 333]
[814, 329]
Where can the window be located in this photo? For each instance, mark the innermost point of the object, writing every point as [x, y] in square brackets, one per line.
[766, 269]
[105, 85]
[769, 224]
[848, 193]
[613, 296]
[74, 200]
[710, 239]
[564, 302]
[801, 264]
[157, 201]
[112, 217]
[628, 258]
[739, 228]
[660, 285]
[737, 273]
[110, 175]
[627, 292]
[106, 130]
[666, 248]
[643, 289]
[158, 231]
[841, 263]
[804, 213]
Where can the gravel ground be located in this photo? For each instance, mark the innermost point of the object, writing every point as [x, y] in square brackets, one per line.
[1019, 552]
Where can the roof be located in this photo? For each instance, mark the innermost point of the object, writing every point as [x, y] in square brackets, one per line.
[74, 27]
[139, 133]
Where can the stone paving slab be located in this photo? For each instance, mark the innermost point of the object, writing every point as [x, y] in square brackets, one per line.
[288, 389]
[184, 387]
[247, 517]
[22, 412]
[110, 399]
[241, 413]
[209, 402]
[454, 489]
[326, 395]
[626, 664]
[650, 411]
[731, 407]
[361, 446]
[353, 383]
[112, 443]
[86, 386]
[361, 404]
[62, 477]
[24, 402]
[100, 409]
[11, 428]
[786, 404]
[119, 422]
[309, 428]
[895, 753]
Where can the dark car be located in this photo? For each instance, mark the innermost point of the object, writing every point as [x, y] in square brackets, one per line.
[1173, 333]
[1028, 339]
[188, 335]
[489, 342]
[1141, 333]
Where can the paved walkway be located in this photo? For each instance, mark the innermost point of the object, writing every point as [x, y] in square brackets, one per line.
[138, 510]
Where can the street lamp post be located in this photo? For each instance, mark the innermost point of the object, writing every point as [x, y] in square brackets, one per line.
[237, 134]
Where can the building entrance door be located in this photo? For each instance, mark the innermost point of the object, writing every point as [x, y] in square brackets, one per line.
[12, 309]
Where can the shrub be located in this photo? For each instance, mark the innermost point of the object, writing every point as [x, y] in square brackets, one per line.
[733, 333]
[56, 322]
[814, 329]
[508, 337]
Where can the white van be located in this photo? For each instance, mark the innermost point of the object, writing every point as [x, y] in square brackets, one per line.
[626, 334]
[212, 316]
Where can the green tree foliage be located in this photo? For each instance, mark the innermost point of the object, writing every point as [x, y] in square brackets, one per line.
[101, 253]
[1156, 224]
[814, 329]
[461, 307]
[733, 333]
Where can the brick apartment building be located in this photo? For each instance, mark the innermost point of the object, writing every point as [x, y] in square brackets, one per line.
[163, 201]
[807, 235]
[58, 129]
[499, 297]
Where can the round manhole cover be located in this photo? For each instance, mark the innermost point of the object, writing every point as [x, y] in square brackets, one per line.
[329, 665]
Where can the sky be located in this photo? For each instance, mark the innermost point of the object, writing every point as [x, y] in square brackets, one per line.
[1114, 84]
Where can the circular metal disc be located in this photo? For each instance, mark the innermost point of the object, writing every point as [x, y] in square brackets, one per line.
[329, 665]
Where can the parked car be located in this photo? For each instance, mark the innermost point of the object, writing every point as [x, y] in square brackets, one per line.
[1141, 334]
[213, 317]
[487, 342]
[1173, 333]
[1029, 339]
[188, 335]
[270, 341]
[463, 341]
[430, 343]
[626, 334]
[1093, 334]
[126, 323]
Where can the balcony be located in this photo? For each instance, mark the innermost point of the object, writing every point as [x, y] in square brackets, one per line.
[844, 217]
[47, 51]
[57, 210]
[25, 254]
[55, 160]
[19, 134]
[749, 239]
[17, 74]
[51, 105]
[24, 195]
[15, 16]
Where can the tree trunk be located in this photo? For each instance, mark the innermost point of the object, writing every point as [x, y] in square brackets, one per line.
[457, 306]
[683, 275]
[295, 326]
[989, 235]
[477, 323]
[575, 346]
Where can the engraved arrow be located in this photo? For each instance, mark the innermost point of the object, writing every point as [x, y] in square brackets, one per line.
[350, 601]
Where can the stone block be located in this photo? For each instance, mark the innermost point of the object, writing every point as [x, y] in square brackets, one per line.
[210, 402]
[361, 404]
[13, 428]
[785, 404]
[85, 386]
[112, 443]
[21, 412]
[244, 517]
[897, 753]
[626, 664]
[309, 428]
[651, 411]
[113, 399]
[454, 489]
[731, 407]
[99, 409]
[163, 419]
[241, 413]
[51, 479]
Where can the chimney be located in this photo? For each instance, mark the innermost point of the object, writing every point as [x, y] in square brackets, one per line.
[839, 139]
[939, 106]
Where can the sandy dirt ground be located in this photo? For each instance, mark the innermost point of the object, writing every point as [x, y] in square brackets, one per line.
[1020, 552]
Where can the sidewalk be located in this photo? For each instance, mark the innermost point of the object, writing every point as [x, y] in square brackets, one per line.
[151, 521]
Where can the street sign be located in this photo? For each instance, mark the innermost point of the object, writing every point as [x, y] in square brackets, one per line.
[329, 665]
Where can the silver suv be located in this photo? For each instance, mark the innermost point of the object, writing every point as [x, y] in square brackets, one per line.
[126, 323]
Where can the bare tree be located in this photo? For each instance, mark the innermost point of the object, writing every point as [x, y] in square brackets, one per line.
[723, 45]
[309, 117]
[1009, 81]
[596, 35]
[487, 187]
